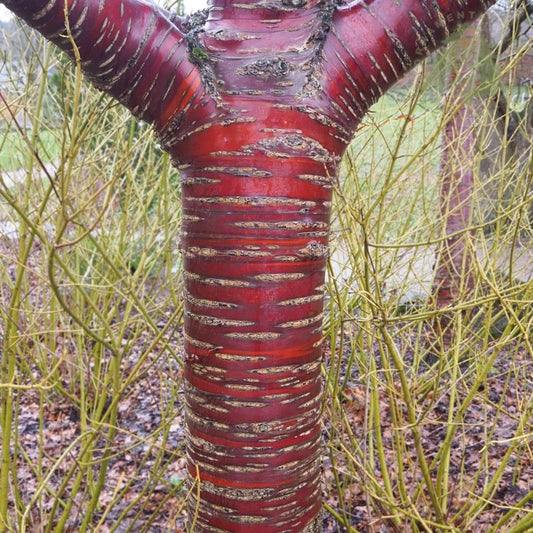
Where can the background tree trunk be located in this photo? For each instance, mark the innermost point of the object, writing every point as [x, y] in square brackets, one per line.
[496, 151]
[505, 136]
[256, 103]
[454, 278]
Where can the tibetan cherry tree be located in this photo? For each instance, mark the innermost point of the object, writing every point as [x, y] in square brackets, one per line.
[256, 101]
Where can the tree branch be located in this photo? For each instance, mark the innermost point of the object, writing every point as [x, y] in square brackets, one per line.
[130, 49]
[383, 39]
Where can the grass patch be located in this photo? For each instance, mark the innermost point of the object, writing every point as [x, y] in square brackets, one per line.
[14, 149]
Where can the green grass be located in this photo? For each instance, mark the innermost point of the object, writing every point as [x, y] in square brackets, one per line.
[14, 148]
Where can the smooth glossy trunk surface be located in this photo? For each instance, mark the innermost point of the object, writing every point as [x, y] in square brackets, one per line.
[256, 208]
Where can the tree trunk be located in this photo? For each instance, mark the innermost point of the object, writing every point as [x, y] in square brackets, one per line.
[454, 279]
[502, 153]
[506, 133]
[256, 102]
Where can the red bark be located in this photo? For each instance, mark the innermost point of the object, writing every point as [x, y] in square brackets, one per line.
[256, 103]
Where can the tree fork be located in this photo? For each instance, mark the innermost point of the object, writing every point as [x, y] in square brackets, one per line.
[256, 101]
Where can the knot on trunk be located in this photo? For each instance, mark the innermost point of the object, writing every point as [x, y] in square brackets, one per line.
[267, 68]
[282, 5]
[314, 250]
[296, 4]
[295, 145]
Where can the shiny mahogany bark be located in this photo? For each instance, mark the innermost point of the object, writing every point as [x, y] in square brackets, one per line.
[256, 102]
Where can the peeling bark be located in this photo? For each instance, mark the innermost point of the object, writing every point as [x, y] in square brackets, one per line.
[256, 102]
